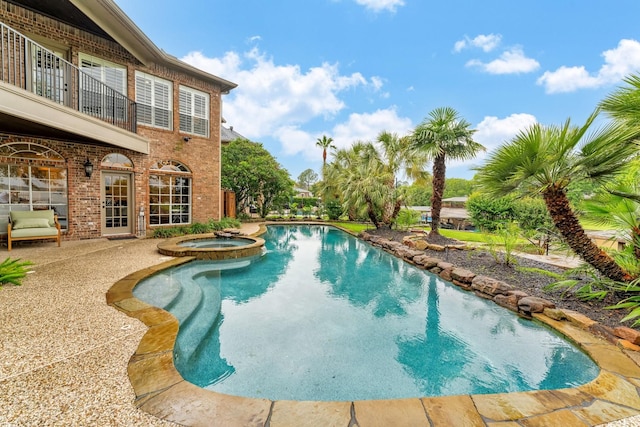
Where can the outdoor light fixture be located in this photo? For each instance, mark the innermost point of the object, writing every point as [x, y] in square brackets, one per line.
[186, 139]
[88, 168]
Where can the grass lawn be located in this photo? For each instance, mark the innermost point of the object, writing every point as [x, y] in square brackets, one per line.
[594, 226]
[354, 227]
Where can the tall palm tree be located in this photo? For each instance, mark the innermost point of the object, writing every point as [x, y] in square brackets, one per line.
[443, 136]
[325, 143]
[544, 160]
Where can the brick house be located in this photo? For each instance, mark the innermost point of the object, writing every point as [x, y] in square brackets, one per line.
[99, 124]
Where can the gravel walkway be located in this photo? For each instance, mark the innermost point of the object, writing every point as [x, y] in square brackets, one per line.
[64, 352]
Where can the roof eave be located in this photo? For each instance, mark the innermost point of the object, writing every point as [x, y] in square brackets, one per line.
[107, 15]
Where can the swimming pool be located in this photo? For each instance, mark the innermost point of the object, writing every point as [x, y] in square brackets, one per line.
[324, 316]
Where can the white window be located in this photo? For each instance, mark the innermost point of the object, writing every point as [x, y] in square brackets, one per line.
[49, 74]
[96, 100]
[154, 99]
[169, 193]
[109, 73]
[194, 111]
[28, 187]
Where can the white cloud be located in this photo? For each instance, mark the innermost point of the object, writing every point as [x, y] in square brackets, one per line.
[358, 127]
[492, 132]
[486, 42]
[277, 101]
[510, 62]
[272, 97]
[618, 63]
[381, 5]
[367, 126]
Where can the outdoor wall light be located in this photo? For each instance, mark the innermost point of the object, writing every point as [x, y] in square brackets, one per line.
[88, 168]
[186, 139]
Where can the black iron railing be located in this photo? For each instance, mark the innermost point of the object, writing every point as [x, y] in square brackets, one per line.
[26, 64]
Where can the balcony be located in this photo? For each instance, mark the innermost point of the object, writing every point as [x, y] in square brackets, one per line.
[48, 96]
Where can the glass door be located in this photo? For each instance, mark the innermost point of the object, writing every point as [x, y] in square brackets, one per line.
[116, 203]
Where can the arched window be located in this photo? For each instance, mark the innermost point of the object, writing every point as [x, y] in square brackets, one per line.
[32, 177]
[169, 193]
[117, 160]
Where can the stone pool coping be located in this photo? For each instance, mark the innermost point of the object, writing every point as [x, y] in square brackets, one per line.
[162, 392]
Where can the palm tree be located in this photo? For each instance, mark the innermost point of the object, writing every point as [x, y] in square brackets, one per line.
[366, 175]
[624, 103]
[544, 160]
[325, 144]
[443, 136]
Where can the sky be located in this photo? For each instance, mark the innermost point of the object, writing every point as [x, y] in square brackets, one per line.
[349, 69]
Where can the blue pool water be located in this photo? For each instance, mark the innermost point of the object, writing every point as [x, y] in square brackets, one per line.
[325, 316]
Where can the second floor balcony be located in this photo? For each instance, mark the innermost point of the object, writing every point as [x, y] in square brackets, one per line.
[27, 66]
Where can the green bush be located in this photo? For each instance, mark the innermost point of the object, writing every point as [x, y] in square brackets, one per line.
[334, 209]
[196, 228]
[13, 271]
[406, 218]
[502, 244]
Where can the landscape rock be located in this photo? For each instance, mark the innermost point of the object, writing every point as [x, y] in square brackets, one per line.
[555, 314]
[507, 301]
[446, 274]
[445, 265]
[421, 245]
[534, 304]
[462, 275]
[426, 261]
[491, 286]
[631, 335]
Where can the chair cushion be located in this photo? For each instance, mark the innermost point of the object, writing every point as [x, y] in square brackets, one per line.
[30, 223]
[34, 233]
[18, 215]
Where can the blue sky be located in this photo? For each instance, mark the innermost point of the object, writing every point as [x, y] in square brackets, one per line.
[349, 69]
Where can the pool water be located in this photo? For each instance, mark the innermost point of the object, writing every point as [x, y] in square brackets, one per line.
[217, 242]
[325, 316]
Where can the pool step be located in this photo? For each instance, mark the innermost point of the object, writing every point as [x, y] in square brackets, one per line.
[202, 323]
[186, 302]
[158, 290]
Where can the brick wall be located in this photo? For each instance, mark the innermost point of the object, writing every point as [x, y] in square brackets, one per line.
[200, 155]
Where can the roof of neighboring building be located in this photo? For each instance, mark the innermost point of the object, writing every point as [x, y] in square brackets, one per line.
[445, 213]
[105, 18]
[456, 199]
[228, 134]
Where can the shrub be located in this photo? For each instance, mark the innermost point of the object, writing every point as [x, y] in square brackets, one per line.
[197, 228]
[13, 271]
[406, 218]
[334, 209]
[505, 238]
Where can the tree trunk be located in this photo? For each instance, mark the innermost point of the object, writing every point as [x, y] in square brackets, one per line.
[635, 241]
[439, 171]
[388, 218]
[567, 223]
[371, 213]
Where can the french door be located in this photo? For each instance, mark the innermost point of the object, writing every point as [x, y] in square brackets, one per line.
[117, 203]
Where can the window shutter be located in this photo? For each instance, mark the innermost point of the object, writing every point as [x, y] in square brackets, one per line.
[143, 99]
[185, 111]
[201, 123]
[162, 105]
